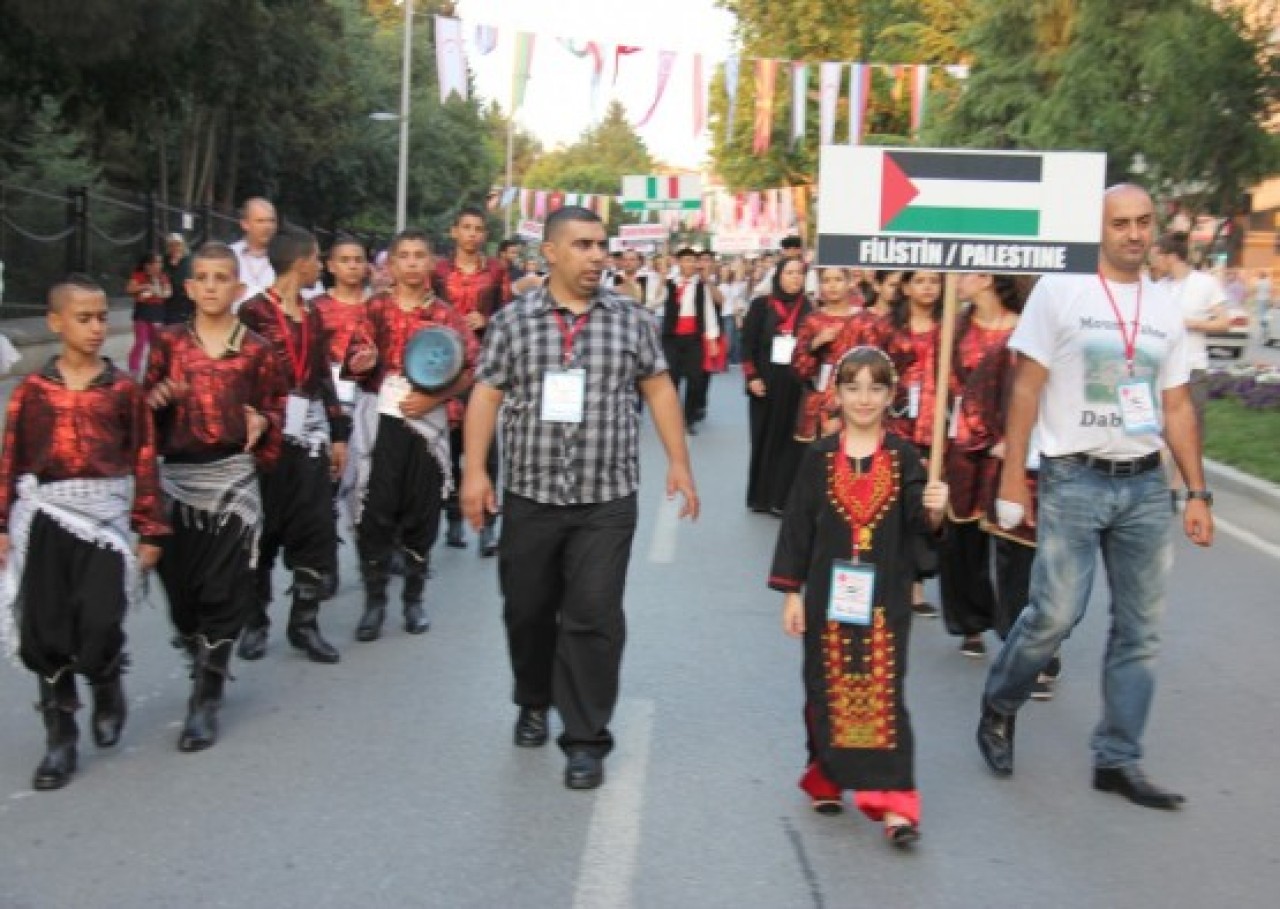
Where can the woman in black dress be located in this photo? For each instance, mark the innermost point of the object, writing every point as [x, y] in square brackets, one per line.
[773, 388]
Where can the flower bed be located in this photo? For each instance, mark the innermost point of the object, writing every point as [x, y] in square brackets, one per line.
[1255, 387]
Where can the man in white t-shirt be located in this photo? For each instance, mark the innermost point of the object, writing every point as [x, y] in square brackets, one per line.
[1203, 304]
[258, 221]
[1102, 377]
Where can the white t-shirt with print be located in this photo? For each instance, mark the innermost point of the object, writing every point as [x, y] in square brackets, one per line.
[1197, 295]
[1070, 328]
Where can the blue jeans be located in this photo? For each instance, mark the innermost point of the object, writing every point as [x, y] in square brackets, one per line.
[1081, 512]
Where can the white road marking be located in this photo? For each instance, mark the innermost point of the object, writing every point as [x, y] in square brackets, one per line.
[666, 527]
[608, 863]
[1247, 536]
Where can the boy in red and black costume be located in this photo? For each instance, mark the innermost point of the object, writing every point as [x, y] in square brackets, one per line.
[690, 334]
[410, 471]
[297, 493]
[477, 287]
[77, 475]
[218, 400]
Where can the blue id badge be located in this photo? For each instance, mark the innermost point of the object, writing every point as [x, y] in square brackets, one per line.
[853, 588]
[1138, 413]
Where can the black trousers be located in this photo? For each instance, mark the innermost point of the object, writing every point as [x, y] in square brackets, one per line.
[205, 569]
[403, 501]
[73, 604]
[684, 359]
[964, 563]
[563, 572]
[297, 503]
[1013, 582]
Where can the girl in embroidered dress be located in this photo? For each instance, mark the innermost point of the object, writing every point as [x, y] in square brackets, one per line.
[816, 353]
[845, 560]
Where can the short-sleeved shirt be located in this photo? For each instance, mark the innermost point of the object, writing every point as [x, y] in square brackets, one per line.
[1069, 327]
[1197, 295]
[617, 345]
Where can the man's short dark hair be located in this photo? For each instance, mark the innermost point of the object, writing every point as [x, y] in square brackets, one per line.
[791, 242]
[409, 235]
[288, 246]
[346, 240]
[1175, 243]
[707, 252]
[686, 251]
[565, 215]
[74, 283]
[470, 211]
[216, 252]
[509, 243]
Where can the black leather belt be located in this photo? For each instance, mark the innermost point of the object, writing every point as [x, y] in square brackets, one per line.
[1130, 468]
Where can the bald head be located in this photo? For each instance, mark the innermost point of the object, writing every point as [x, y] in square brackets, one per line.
[258, 221]
[1128, 227]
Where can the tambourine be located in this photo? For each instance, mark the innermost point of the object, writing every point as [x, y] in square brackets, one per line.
[433, 358]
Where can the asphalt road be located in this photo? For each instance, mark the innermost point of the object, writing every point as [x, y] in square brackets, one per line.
[389, 780]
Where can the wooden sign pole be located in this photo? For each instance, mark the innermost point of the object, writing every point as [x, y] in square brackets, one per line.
[942, 388]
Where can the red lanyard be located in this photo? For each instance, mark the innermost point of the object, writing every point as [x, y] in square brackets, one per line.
[788, 322]
[1130, 338]
[297, 356]
[569, 332]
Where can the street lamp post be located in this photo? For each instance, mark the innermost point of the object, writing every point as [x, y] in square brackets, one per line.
[402, 181]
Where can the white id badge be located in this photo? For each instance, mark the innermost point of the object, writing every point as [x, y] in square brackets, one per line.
[953, 426]
[783, 347]
[564, 395]
[395, 388]
[1137, 407]
[295, 415]
[852, 593]
[824, 376]
[345, 388]
[913, 401]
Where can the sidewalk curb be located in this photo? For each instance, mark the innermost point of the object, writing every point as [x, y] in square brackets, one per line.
[1243, 483]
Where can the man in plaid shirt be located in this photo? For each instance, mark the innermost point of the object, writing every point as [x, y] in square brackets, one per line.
[567, 365]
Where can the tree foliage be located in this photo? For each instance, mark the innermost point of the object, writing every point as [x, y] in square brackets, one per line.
[209, 101]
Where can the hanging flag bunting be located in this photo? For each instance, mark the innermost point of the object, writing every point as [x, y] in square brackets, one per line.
[520, 71]
[485, 39]
[602, 207]
[753, 208]
[800, 200]
[555, 200]
[666, 62]
[731, 91]
[540, 205]
[799, 97]
[571, 198]
[699, 97]
[859, 89]
[786, 209]
[588, 49]
[828, 97]
[957, 71]
[771, 209]
[919, 95]
[766, 80]
[618, 53]
[898, 73]
[508, 196]
[451, 62]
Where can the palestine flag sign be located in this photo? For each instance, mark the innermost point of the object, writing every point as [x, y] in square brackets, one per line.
[960, 210]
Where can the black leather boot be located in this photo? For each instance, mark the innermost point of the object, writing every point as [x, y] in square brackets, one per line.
[415, 585]
[110, 706]
[58, 705]
[376, 575]
[489, 538]
[253, 638]
[303, 630]
[200, 730]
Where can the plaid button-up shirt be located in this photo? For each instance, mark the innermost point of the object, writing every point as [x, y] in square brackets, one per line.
[597, 460]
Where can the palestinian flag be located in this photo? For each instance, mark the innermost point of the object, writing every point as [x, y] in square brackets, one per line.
[961, 194]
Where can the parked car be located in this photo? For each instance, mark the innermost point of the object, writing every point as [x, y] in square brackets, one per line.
[1235, 339]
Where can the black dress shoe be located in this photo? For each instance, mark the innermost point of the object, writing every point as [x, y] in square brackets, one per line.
[995, 740]
[584, 770]
[415, 619]
[1133, 784]
[531, 727]
[488, 542]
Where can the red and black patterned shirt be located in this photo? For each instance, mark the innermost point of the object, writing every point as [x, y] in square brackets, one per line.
[387, 328]
[340, 321]
[206, 421]
[485, 290]
[60, 433]
[302, 354]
